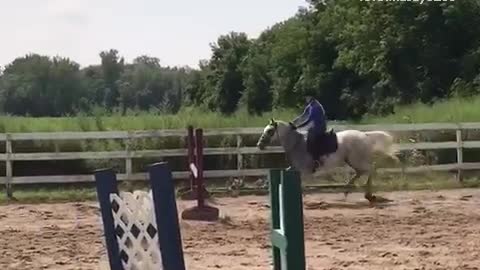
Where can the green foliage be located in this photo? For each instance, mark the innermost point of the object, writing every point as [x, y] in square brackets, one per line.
[220, 86]
[257, 96]
[360, 57]
[38, 85]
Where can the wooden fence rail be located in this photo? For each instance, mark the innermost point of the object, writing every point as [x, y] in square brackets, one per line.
[128, 154]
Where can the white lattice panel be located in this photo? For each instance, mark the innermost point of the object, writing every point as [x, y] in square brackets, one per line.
[136, 230]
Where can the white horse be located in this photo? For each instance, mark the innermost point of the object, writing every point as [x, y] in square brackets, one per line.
[355, 148]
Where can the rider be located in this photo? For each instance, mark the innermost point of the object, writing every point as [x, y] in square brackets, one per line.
[314, 114]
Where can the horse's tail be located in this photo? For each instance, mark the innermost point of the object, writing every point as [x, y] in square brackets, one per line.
[382, 142]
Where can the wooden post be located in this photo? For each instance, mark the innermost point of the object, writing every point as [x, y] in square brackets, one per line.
[57, 146]
[459, 155]
[8, 166]
[199, 162]
[128, 160]
[239, 153]
[191, 157]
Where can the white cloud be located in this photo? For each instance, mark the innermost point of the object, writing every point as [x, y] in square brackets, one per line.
[70, 11]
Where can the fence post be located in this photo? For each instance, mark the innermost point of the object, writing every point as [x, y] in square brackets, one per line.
[239, 153]
[128, 159]
[459, 154]
[8, 166]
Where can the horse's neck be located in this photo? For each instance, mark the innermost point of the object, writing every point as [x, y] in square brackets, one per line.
[291, 140]
[294, 145]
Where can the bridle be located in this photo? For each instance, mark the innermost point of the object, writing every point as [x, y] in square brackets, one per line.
[275, 128]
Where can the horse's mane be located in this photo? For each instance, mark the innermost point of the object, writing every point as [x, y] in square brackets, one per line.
[293, 131]
[285, 123]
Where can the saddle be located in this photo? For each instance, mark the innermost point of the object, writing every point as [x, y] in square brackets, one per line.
[328, 142]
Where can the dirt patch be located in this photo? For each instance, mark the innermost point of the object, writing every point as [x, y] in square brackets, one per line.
[416, 230]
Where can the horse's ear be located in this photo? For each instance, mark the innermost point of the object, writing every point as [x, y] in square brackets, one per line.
[272, 122]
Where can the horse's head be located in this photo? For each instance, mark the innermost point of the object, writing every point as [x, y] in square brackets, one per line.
[273, 132]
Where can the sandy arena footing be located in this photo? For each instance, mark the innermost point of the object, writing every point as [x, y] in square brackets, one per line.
[418, 230]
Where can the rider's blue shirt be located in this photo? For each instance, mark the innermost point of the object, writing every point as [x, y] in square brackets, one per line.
[315, 113]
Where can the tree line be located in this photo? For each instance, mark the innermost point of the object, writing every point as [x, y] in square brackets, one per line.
[356, 57]
[37, 85]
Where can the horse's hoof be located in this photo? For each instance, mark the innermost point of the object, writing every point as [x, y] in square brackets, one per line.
[371, 198]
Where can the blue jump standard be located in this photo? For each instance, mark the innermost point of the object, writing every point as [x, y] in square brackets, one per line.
[166, 214]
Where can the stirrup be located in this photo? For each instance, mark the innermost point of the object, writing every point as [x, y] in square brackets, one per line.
[317, 163]
[315, 166]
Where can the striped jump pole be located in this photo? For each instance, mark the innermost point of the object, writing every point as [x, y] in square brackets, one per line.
[201, 211]
[287, 232]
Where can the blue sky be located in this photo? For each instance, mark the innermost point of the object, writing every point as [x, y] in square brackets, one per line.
[176, 31]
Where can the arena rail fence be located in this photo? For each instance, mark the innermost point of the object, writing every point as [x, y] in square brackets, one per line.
[9, 157]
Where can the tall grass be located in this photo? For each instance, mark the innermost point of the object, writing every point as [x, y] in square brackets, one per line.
[453, 110]
[139, 121]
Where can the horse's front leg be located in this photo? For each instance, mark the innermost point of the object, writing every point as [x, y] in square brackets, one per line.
[368, 186]
[307, 177]
[368, 190]
[350, 183]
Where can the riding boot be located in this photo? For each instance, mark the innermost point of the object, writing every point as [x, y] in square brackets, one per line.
[311, 145]
[315, 166]
[311, 149]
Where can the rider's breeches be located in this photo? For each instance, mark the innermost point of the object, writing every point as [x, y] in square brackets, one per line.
[313, 146]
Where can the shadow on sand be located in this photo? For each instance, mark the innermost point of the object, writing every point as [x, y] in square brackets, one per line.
[380, 202]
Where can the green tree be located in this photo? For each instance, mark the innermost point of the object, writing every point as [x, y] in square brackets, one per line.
[40, 86]
[112, 68]
[224, 78]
